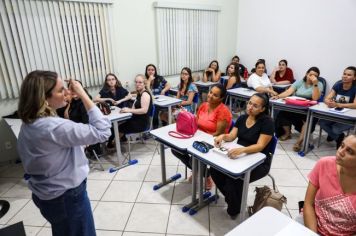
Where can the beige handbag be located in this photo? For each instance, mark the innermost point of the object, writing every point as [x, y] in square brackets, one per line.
[265, 196]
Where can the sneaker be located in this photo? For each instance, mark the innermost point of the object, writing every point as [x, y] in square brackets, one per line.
[339, 140]
[209, 183]
[329, 139]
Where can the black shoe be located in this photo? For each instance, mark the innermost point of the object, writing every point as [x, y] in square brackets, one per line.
[110, 145]
[339, 140]
[123, 139]
[329, 139]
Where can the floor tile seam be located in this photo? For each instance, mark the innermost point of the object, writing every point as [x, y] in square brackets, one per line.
[18, 211]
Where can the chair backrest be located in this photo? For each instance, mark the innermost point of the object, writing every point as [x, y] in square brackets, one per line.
[151, 116]
[195, 102]
[231, 125]
[323, 81]
[273, 145]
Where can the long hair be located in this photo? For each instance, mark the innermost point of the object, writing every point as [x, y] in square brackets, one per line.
[106, 86]
[222, 89]
[315, 69]
[353, 68]
[217, 65]
[190, 79]
[35, 89]
[236, 72]
[265, 99]
[146, 74]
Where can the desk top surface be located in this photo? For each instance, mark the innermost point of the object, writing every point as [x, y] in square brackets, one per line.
[166, 101]
[280, 102]
[280, 225]
[115, 115]
[323, 108]
[241, 92]
[281, 85]
[233, 167]
[205, 84]
[182, 144]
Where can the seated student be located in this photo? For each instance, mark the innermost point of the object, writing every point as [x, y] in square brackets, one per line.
[213, 117]
[186, 92]
[242, 68]
[282, 74]
[212, 73]
[253, 70]
[158, 86]
[309, 87]
[232, 72]
[115, 95]
[330, 200]
[254, 131]
[259, 80]
[140, 109]
[113, 92]
[342, 95]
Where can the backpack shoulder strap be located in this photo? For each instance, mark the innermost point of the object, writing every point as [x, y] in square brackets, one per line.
[179, 135]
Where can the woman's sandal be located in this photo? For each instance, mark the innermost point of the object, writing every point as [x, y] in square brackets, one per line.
[297, 147]
[285, 137]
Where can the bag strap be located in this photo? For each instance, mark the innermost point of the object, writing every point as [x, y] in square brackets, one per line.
[5, 205]
[175, 134]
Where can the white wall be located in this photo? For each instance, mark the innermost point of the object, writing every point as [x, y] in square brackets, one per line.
[305, 32]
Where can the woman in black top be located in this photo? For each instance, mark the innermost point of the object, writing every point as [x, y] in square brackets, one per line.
[112, 92]
[140, 109]
[254, 131]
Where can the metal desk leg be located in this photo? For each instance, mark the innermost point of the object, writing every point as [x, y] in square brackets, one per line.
[242, 215]
[118, 151]
[230, 98]
[163, 170]
[194, 187]
[204, 197]
[309, 122]
[170, 115]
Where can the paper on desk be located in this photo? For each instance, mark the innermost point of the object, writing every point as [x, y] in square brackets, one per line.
[337, 111]
[227, 146]
[297, 98]
[161, 99]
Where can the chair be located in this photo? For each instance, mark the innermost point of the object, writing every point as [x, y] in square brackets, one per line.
[147, 131]
[195, 102]
[323, 81]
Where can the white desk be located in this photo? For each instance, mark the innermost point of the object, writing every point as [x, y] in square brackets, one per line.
[322, 111]
[281, 86]
[116, 117]
[181, 145]
[235, 168]
[270, 222]
[280, 104]
[166, 101]
[208, 84]
[241, 94]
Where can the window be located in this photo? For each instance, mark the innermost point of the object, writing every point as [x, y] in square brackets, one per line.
[69, 37]
[186, 36]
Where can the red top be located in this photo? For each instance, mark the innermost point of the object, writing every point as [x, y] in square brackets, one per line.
[287, 76]
[208, 122]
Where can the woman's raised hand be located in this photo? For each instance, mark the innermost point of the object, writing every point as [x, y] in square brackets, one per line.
[76, 88]
[218, 140]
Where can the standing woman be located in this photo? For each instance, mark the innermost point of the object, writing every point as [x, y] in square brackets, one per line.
[282, 74]
[254, 131]
[212, 73]
[158, 86]
[259, 80]
[140, 109]
[232, 71]
[310, 88]
[113, 92]
[51, 151]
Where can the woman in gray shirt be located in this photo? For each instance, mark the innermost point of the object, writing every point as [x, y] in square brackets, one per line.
[51, 151]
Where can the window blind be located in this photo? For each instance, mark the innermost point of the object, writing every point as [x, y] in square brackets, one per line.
[186, 36]
[69, 37]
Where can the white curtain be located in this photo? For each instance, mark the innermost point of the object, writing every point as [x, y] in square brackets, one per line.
[186, 37]
[68, 37]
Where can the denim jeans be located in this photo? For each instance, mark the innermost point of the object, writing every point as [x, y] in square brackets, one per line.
[333, 129]
[70, 214]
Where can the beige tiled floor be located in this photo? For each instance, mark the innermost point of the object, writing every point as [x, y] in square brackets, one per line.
[124, 202]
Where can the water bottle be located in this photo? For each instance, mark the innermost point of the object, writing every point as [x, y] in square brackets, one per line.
[245, 74]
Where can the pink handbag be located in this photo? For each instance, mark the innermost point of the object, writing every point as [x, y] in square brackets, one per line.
[300, 102]
[186, 125]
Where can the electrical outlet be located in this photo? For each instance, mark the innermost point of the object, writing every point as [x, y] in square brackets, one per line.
[8, 145]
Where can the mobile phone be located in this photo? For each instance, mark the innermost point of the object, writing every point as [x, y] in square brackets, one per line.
[208, 145]
[223, 149]
[339, 108]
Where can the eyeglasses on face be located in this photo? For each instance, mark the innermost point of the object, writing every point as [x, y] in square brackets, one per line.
[254, 105]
